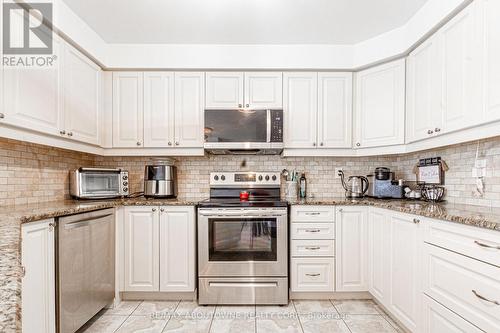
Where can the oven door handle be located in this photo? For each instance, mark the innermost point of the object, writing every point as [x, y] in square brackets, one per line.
[243, 214]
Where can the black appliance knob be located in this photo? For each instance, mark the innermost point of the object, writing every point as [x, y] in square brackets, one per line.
[216, 177]
[125, 189]
[125, 183]
[260, 178]
[267, 177]
[274, 177]
[125, 177]
[223, 177]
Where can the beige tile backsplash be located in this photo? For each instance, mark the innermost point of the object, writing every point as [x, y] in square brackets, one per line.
[35, 173]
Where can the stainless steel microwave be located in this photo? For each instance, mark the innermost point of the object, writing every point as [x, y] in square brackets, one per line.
[244, 131]
[99, 183]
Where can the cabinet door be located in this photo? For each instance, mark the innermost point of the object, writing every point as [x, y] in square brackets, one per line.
[351, 249]
[300, 109]
[424, 112]
[177, 249]
[33, 96]
[189, 104]
[380, 105]
[335, 110]
[141, 249]
[379, 255]
[38, 284]
[82, 91]
[404, 293]
[127, 109]
[224, 90]
[460, 56]
[489, 10]
[264, 90]
[158, 109]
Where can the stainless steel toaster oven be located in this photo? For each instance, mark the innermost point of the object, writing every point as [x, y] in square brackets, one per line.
[99, 183]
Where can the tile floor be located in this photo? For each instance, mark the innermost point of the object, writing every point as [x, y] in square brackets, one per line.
[332, 316]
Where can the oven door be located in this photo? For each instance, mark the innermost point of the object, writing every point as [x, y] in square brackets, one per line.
[242, 242]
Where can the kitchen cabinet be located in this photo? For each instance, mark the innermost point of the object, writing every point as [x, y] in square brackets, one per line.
[490, 73]
[82, 102]
[380, 105]
[405, 274]
[224, 90]
[312, 274]
[351, 249]
[33, 96]
[334, 110]
[158, 109]
[177, 249]
[159, 248]
[189, 105]
[300, 109]
[254, 90]
[379, 254]
[141, 249]
[128, 121]
[38, 283]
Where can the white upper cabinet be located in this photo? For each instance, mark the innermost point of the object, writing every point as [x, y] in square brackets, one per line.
[300, 109]
[128, 119]
[460, 79]
[189, 105]
[490, 28]
[158, 109]
[334, 110]
[264, 90]
[177, 249]
[33, 96]
[224, 90]
[424, 112]
[254, 90]
[82, 91]
[380, 105]
[351, 249]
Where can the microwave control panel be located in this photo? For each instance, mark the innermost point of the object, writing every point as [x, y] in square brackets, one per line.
[276, 125]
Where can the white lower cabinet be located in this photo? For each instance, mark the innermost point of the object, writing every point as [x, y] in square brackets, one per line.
[379, 254]
[38, 284]
[312, 249]
[159, 248]
[351, 249]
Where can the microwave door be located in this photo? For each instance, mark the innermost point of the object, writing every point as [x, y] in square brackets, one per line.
[236, 126]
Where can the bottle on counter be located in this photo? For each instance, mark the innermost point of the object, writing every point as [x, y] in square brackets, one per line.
[303, 186]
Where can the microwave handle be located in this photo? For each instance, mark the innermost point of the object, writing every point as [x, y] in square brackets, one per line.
[268, 126]
[99, 169]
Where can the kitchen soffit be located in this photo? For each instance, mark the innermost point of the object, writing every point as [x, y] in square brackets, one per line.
[335, 22]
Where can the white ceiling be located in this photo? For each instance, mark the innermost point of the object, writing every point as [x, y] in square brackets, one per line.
[243, 21]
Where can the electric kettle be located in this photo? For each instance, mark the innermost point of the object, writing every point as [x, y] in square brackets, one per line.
[355, 186]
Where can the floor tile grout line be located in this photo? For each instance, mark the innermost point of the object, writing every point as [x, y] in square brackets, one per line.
[128, 316]
[298, 316]
[341, 316]
[170, 316]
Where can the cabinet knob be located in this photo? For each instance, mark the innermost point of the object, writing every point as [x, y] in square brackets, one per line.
[70, 133]
[51, 226]
[162, 210]
[153, 209]
[430, 131]
[176, 143]
[358, 144]
[416, 221]
[341, 210]
[169, 143]
[138, 143]
[248, 105]
[240, 105]
[437, 129]
[314, 144]
[62, 132]
[321, 144]
[2, 116]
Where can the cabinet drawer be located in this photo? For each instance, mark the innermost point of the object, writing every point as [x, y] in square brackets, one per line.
[466, 286]
[308, 213]
[312, 231]
[313, 248]
[438, 319]
[474, 242]
[312, 274]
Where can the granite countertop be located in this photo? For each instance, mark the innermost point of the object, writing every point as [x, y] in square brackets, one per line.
[479, 216]
[11, 218]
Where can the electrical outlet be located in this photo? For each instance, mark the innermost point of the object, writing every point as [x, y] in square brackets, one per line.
[337, 174]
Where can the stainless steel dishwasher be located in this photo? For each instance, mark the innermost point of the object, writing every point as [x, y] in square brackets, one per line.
[85, 267]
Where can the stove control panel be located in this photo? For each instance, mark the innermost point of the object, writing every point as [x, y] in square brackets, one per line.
[245, 178]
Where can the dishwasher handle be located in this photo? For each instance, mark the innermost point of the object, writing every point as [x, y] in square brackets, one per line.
[85, 222]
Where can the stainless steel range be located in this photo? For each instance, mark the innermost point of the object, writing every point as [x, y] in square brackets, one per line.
[242, 242]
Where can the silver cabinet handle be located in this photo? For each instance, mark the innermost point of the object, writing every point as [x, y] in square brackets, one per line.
[358, 144]
[52, 226]
[416, 221]
[2, 115]
[341, 210]
[23, 269]
[430, 131]
[176, 143]
[486, 245]
[138, 143]
[437, 129]
[169, 143]
[484, 298]
[153, 209]
[70, 133]
[313, 248]
[313, 213]
[312, 230]
[62, 132]
[315, 274]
